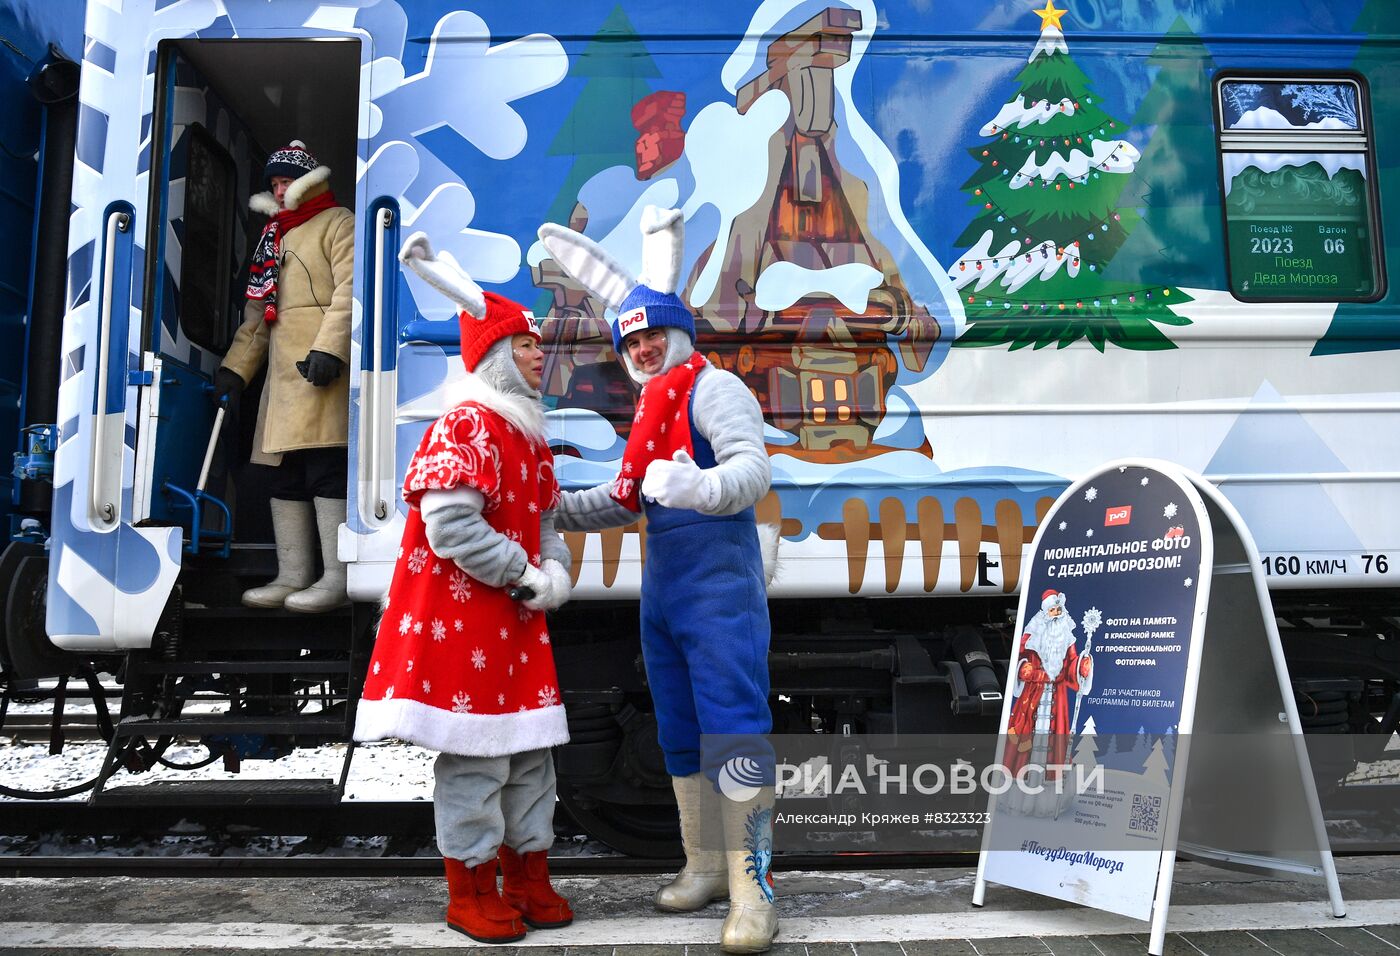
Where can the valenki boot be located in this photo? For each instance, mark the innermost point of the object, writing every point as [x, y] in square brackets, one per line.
[525, 886]
[704, 877]
[291, 529]
[328, 593]
[474, 907]
[748, 839]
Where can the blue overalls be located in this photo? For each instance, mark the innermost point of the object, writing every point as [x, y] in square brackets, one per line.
[705, 629]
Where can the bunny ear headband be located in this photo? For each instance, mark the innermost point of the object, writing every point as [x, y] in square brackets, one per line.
[443, 273]
[648, 302]
[604, 276]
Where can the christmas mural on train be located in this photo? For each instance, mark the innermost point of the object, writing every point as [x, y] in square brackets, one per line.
[961, 253]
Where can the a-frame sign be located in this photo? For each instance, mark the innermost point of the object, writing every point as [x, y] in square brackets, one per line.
[1148, 670]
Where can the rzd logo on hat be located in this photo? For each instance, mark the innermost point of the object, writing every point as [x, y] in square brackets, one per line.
[1120, 515]
[530, 321]
[632, 321]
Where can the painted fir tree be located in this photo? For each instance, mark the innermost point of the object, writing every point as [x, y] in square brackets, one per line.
[1048, 221]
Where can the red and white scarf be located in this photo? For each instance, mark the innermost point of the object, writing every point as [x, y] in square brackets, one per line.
[660, 427]
[262, 275]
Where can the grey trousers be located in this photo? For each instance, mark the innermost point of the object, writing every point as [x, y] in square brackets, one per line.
[481, 802]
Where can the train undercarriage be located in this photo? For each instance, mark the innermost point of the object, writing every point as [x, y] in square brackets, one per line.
[255, 685]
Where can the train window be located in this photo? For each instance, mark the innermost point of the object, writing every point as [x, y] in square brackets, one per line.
[207, 265]
[1297, 166]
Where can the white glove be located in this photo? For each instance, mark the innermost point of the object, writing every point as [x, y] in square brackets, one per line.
[551, 585]
[681, 483]
[560, 583]
[539, 582]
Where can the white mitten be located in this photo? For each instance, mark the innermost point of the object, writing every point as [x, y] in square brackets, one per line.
[561, 586]
[539, 582]
[681, 483]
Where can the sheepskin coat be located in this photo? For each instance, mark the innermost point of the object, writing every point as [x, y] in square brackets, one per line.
[313, 312]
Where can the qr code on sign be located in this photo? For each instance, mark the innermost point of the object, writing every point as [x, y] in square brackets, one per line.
[1147, 813]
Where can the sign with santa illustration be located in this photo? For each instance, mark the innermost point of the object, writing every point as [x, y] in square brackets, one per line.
[1104, 684]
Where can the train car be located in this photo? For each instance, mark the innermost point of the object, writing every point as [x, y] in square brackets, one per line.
[962, 253]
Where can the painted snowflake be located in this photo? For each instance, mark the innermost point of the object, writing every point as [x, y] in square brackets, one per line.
[406, 623]
[1091, 494]
[524, 658]
[478, 658]
[510, 670]
[1170, 510]
[1145, 480]
[544, 637]
[671, 394]
[437, 567]
[1188, 582]
[417, 627]
[651, 445]
[417, 560]
[524, 472]
[427, 687]
[1064, 525]
[376, 667]
[500, 700]
[1089, 533]
[457, 625]
[460, 587]
[532, 507]
[439, 630]
[504, 634]
[461, 703]
[409, 667]
[389, 692]
[549, 696]
[510, 497]
[523, 613]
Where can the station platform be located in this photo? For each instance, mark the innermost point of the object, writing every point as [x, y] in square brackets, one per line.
[923, 912]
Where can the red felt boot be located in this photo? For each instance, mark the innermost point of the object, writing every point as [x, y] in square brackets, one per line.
[525, 885]
[475, 908]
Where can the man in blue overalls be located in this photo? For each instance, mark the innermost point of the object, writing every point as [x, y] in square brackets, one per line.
[695, 463]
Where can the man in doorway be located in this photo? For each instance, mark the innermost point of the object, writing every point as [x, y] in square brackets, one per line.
[297, 321]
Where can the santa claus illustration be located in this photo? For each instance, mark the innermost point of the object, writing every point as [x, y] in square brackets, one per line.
[1048, 667]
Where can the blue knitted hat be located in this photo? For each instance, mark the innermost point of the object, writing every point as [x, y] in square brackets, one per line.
[645, 308]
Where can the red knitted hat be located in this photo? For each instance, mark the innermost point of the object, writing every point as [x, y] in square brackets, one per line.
[503, 317]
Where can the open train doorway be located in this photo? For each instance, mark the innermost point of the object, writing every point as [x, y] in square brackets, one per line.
[222, 107]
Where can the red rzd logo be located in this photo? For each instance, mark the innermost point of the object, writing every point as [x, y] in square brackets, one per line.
[1121, 515]
[632, 321]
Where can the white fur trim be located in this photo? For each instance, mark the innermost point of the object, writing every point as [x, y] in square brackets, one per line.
[470, 735]
[296, 192]
[264, 203]
[663, 240]
[443, 273]
[586, 261]
[526, 414]
[769, 537]
[297, 143]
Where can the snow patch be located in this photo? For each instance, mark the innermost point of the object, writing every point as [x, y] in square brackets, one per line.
[784, 283]
[1235, 163]
[1020, 115]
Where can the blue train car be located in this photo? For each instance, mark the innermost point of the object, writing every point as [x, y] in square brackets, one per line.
[961, 253]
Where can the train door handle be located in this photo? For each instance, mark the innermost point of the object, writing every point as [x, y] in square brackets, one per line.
[102, 501]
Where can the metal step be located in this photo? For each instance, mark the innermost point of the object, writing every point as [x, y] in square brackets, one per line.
[223, 793]
[198, 726]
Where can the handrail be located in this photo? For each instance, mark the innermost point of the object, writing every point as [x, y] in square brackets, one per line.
[104, 512]
[383, 220]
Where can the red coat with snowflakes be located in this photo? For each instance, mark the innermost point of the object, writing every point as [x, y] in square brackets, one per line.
[458, 666]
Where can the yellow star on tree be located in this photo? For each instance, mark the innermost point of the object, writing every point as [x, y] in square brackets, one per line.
[1049, 16]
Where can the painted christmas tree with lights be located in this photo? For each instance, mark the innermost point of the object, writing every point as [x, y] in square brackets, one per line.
[1046, 190]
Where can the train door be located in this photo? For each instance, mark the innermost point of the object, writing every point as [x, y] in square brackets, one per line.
[213, 133]
[175, 125]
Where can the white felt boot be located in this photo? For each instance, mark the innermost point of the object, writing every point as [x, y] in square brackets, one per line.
[704, 877]
[291, 529]
[328, 593]
[748, 839]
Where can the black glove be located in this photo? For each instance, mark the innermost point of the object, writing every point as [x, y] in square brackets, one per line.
[228, 385]
[320, 368]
